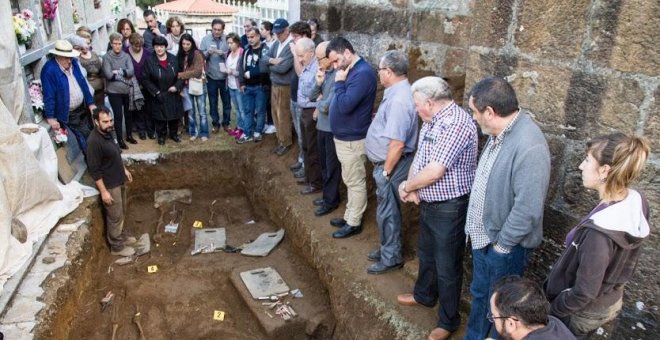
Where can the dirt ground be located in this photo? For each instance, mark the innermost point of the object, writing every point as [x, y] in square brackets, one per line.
[179, 300]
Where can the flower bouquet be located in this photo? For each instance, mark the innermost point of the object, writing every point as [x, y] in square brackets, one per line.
[49, 9]
[24, 26]
[37, 99]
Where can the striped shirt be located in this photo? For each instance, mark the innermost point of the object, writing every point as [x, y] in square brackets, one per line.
[474, 223]
[75, 92]
[451, 140]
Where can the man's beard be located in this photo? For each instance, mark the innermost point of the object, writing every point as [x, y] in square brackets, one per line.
[107, 130]
[505, 335]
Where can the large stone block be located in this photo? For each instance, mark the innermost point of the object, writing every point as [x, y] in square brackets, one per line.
[552, 29]
[322, 13]
[455, 60]
[490, 23]
[584, 102]
[482, 63]
[621, 106]
[652, 123]
[556, 146]
[542, 90]
[375, 20]
[435, 26]
[637, 36]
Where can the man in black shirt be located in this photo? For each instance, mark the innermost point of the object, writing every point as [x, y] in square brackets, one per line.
[108, 171]
[253, 81]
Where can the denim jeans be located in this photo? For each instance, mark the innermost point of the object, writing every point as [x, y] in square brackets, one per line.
[488, 266]
[198, 108]
[296, 118]
[441, 243]
[254, 103]
[237, 103]
[213, 86]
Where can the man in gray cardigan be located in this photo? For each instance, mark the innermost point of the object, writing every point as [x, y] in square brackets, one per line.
[505, 213]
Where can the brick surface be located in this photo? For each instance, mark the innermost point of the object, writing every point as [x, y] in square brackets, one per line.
[552, 29]
[543, 91]
[437, 27]
[621, 106]
[394, 23]
[637, 36]
[492, 19]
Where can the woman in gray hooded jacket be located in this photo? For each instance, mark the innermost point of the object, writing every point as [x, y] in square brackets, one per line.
[585, 285]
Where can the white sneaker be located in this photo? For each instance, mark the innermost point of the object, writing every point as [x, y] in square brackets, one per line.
[270, 129]
[204, 139]
[192, 138]
[257, 137]
[127, 251]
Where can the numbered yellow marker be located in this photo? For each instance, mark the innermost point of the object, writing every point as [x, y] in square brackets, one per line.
[152, 269]
[198, 224]
[219, 315]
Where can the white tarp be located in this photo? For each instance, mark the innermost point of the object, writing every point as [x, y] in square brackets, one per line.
[12, 88]
[29, 190]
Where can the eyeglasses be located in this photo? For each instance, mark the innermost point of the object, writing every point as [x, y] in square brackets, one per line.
[492, 318]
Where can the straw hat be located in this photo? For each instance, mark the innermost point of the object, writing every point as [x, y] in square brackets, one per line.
[64, 48]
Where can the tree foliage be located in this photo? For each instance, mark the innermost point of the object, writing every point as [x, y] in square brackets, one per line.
[144, 4]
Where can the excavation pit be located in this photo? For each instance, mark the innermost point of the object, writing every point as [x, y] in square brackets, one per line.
[184, 296]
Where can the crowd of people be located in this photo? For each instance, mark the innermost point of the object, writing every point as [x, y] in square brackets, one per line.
[284, 78]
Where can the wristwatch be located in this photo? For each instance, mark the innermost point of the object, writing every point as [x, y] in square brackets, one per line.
[386, 174]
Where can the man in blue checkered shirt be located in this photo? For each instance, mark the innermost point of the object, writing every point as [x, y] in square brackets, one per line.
[440, 180]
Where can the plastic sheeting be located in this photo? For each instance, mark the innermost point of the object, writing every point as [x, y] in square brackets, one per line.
[29, 190]
[12, 88]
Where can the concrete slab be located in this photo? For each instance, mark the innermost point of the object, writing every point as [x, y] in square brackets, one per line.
[23, 309]
[31, 285]
[19, 330]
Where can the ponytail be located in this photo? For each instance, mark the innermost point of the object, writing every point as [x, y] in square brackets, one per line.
[625, 154]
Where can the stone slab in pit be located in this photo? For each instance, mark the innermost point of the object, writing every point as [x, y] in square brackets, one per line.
[313, 319]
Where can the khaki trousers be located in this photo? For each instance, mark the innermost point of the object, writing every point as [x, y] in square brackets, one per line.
[114, 219]
[280, 98]
[352, 157]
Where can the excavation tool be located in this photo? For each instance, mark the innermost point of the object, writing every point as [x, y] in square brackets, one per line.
[136, 320]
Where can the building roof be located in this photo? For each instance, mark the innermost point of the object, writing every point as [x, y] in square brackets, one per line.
[196, 7]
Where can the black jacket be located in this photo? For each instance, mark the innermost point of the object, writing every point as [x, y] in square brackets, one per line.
[157, 80]
[591, 272]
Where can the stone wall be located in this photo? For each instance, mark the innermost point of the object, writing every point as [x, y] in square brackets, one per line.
[581, 67]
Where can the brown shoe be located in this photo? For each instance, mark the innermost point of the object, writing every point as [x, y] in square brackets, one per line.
[439, 334]
[406, 300]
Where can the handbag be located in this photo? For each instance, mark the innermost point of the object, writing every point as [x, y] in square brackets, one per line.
[196, 86]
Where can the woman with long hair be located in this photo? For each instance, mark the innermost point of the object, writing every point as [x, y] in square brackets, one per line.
[175, 30]
[160, 80]
[585, 285]
[191, 65]
[125, 28]
[233, 62]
